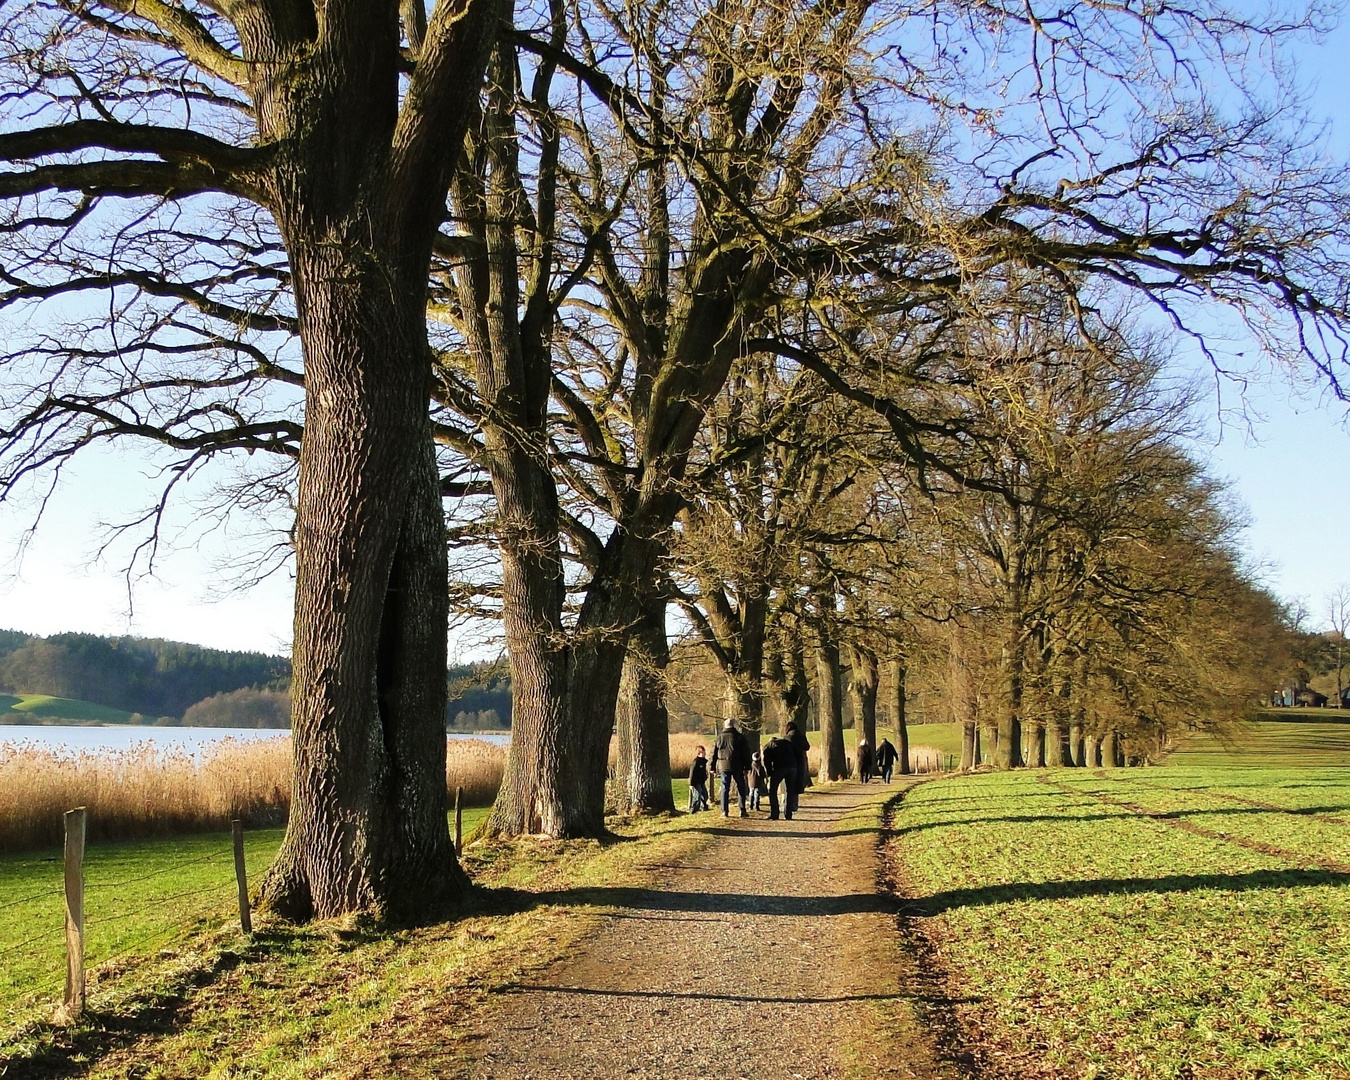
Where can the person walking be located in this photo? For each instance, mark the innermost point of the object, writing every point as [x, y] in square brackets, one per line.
[759, 780]
[730, 760]
[780, 762]
[866, 761]
[886, 756]
[698, 782]
[797, 739]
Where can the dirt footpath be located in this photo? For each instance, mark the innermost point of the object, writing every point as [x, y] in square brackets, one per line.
[769, 955]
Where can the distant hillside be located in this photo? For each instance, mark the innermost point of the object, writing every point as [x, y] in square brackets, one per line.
[142, 675]
[165, 680]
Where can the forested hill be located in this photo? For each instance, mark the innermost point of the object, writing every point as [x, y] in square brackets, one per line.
[144, 675]
[158, 678]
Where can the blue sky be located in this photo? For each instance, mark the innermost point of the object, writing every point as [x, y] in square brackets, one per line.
[1291, 470]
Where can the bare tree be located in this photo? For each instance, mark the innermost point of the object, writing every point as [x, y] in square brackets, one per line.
[222, 173]
[1336, 605]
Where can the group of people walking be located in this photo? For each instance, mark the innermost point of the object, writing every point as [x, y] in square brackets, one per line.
[781, 765]
[878, 762]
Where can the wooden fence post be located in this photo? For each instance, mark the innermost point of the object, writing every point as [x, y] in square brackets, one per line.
[459, 821]
[73, 1005]
[241, 876]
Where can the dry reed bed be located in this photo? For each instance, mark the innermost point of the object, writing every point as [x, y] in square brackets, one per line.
[148, 792]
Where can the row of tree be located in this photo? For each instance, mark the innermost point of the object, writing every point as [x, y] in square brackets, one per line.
[602, 281]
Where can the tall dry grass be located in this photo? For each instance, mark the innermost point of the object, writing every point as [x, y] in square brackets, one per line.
[140, 792]
[682, 748]
[478, 766]
[148, 792]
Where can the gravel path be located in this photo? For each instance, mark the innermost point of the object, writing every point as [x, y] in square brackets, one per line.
[770, 954]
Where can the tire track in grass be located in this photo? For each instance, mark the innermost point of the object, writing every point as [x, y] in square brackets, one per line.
[1172, 819]
[1308, 815]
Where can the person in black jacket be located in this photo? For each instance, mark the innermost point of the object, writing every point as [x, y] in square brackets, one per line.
[730, 760]
[866, 761]
[886, 755]
[780, 761]
[698, 782]
[799, 744]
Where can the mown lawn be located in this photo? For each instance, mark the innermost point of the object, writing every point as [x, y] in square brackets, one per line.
[1152, 923]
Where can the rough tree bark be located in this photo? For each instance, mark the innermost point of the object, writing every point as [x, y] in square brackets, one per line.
[642, 780]
[1036, 744]
[863, 692]
[830, 706]
[357, 189]
[896, 684]
[1008, 748]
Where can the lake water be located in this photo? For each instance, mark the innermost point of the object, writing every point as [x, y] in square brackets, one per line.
[191, 740]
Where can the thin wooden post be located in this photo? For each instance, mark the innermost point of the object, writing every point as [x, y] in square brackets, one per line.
[241, 876]
[73, 1005]
[459, 821]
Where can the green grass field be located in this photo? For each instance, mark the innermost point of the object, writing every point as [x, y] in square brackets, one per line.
[27, 708]
[1280, 743]
[332, 998]
[141, 896]
[1179, 922]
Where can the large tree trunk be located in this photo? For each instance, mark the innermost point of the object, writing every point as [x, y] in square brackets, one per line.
[897, 689]
[368, 826]
[1111, 749]
[1036, 745]
[794, 691]
[1077, 751]
[863, 693]
[1008, 750]
[970, 745]
[642, 781]
[358, 188]
[564, 697]
[830, 708]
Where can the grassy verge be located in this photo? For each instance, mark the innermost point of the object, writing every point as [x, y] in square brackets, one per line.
[1140, 924]
[335, 999]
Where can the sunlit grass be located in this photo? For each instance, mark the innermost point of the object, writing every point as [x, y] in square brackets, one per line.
[1082, 938]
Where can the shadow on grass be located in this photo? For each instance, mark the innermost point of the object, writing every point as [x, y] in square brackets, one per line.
[58, 1051]
[986, 895]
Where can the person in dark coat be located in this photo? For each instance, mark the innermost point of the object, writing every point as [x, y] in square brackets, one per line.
[799, 744]
[780, 762]
[759, 780]
[886, 756]
[698, 782]
[731, 761]
[866, 761]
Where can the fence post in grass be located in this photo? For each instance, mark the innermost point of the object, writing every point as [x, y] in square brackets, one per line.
[241, 876]
[459, 821]
[73, 1005]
